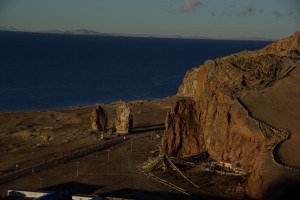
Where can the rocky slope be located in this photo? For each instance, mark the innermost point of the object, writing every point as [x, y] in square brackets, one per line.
[211, 116]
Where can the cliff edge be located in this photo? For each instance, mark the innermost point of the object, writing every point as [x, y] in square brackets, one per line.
[212, 116]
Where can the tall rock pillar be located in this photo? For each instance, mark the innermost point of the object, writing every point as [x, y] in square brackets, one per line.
[124, 119]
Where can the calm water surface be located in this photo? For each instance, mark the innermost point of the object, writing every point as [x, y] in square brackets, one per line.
[42, 71]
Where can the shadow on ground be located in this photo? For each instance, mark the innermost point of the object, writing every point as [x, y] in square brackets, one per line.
[74, 188]
[148, 128]
[283, 189]
[150, 195]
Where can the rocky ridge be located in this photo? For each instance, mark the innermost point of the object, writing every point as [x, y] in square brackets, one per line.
[212, 118]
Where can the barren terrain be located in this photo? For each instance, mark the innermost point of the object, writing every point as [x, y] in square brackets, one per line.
[279, 105]
[241, 110]
[30, 137]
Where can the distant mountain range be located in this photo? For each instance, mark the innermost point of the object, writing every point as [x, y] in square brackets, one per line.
[73, 32]
[8, 28]
[92, 32]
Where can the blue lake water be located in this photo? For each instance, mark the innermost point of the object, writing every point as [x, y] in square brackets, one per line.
[42, 71]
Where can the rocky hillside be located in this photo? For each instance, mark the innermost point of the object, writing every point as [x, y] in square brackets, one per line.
[212, 118]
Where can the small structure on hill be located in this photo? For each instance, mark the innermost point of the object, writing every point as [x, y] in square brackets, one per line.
[124, 119]
[98, 119]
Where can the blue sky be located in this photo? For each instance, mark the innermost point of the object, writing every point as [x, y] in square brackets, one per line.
[190, 18]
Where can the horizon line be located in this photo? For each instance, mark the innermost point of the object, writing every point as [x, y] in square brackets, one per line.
[88, 32]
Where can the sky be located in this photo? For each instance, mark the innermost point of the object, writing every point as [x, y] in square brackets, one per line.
[270, 19]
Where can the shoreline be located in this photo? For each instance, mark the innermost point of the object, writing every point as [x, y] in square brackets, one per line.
[27, 130]
[28, 137]
[85, 105]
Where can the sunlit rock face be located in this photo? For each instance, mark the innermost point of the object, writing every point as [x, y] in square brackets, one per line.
[124, 119]
[211, 116]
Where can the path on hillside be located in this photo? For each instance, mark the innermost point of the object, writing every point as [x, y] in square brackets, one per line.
[279, 105]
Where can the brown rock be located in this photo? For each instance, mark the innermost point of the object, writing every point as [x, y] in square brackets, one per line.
[193, 83]
[217, 125]
[180, 137]
[98, 119]
[124, 119]
[286, 47]
[212, 118]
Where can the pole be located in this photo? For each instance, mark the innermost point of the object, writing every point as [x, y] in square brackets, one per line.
[108, 155]
[77, 168]
[41, 182]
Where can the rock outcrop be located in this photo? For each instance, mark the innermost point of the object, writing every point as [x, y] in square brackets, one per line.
[285, 47]
[124, 119]
[98, 119]
[211, 117]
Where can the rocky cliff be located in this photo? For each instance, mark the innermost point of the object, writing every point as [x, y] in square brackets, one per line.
[211, 117]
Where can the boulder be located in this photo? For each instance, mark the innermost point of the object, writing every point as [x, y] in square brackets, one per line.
[218, 126]
[124, 119]
[98, 119]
